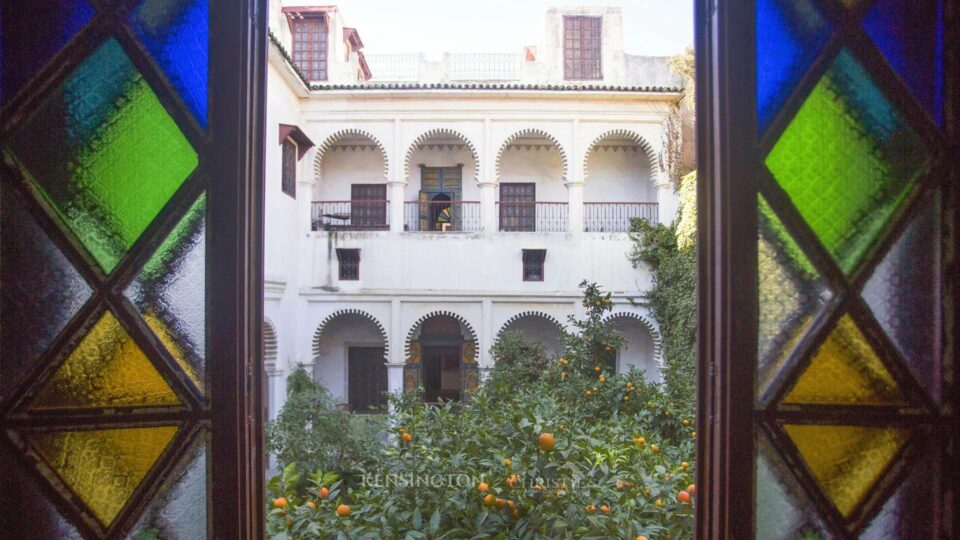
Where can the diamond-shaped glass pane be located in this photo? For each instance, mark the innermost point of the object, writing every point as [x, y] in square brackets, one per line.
[907, 514]
[791, 294]
[176, 34]
[903, 295]
[39, 290]
[790, 33]
[845, 370]
[107, 369]
[179, 509]
[846, 160]
[23, 494]
[782, 508]
[103, 467]
[105, 153]
[910, 35]
[31, 37]
[169, 292]
[847, 461]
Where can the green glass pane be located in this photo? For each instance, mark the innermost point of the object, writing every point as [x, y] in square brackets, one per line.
[103, 467]
[107, 369]
[845, 370]
[179, 509]
[791, 294]
[847, 461]
[105, 153]
[169, 292]
[783, 510]
[846, 160]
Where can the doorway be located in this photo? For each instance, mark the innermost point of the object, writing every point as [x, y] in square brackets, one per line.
[441, 373]
[366, 379]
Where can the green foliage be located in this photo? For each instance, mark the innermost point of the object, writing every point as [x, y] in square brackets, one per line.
[517, 361]
[687, 222]
[672, 300]
[600, 480]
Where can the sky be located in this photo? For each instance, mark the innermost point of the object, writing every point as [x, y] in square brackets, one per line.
[651, 27]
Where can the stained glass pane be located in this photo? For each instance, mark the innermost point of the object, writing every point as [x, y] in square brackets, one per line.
[847, 461]
[910, 35]
[31, 37]
[845, 370]
[179, 509]
[169, 292]
[103, 467]
[107, 369]
[176, 34]
[19, 486]
[846, 160]
[906, 515]
[782, 508]
[105, 153]
[791, 294]
[36, 303]
[790, 33]
[903, 295]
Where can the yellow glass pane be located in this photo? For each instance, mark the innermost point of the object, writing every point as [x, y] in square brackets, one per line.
[847, 461]
[173, 346]
[107, 369]
[103, 467]
[846, 370]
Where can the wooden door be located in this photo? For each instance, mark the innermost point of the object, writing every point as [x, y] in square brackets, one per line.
[518, 206]
[368, 206]
[366, 379]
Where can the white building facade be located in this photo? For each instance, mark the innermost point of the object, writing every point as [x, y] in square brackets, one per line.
[416, 210]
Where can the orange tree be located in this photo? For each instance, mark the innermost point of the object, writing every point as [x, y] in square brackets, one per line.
[577, 452]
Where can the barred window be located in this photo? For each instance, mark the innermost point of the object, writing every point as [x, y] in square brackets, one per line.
[310, 46]
[533, 264]
[581, 48]
[288, 181]
[349, 260]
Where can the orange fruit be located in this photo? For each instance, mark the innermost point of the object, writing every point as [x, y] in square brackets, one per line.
[288, 521]
[601, 378]
[501, 503]
[654, 448]
[597, 369]
[511, 504]
[402, 430]
[588, 393]
[686, 422]
[482, 486]
[508, 462]
[515, 513]
[280, 502]
[547, 441]
[684, 465]
[641, 537]
[312, 505]
[512, 481]
[609, 348]
[563, 374]
[489, 500]
[640, 441]
[605, 509]
[659, 503]
[692, 489]
[407, 437]
[590, 508]
[683, 497]
[343, 510]
[324, 492]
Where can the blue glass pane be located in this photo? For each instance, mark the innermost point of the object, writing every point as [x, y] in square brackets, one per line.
[910, 35]
[33, 35]
[789, 36]
[177, 35]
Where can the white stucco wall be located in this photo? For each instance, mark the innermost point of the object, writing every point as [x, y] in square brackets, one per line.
[330, 356]
[639, 351]
[619, 174]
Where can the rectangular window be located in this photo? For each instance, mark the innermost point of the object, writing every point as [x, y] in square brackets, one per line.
[366, 379]
[581, 48]
[310, 46]
[533, 264]
[288, 182]
[349, 260]
[518, 207]
[368, 205]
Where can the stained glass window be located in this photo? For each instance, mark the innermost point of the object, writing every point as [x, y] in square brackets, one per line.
[102, 266]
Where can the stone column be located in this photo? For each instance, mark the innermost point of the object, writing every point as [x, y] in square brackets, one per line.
[575, 206]
[668, 200]
[395, 196]
[488, 206]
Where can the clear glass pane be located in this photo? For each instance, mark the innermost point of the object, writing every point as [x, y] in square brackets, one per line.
[783, 510]
[105, 153]
[904, 297]
[790, 33]
[36, 303]
[845, 370]
[847, 461]
[176, 34]
[169, 292]
[103, 467]
[846, 160]
[106, 369]
[791, 294]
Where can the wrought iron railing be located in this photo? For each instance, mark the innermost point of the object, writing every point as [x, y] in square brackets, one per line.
[616, 216]
[532, 216]
[441, 216]
[350, 215]
[394, 67]
[484, 67]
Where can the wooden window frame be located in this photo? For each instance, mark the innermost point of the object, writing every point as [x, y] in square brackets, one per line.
[288, 172]
[577, 69]
[727, 267]
[348, 270]
[541, 255]
[322, 61]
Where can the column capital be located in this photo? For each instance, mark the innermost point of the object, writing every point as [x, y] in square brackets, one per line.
[575, 183]
[486, 184]
[396, 183]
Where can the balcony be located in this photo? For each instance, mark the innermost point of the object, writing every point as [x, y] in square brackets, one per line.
[616, 216]
[350, 215]
[532, 216]
[441, 216]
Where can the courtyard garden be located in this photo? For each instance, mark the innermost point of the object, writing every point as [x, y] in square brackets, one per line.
[546, 447]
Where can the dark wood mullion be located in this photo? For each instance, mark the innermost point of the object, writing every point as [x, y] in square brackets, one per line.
[950, 428]
[849, 414]
[101, 417]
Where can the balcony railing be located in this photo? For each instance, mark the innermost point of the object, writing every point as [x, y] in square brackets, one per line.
[441, 216]
[532, 216]
[350, 215]
[616, 216]
[485, 67]
[394, 67]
